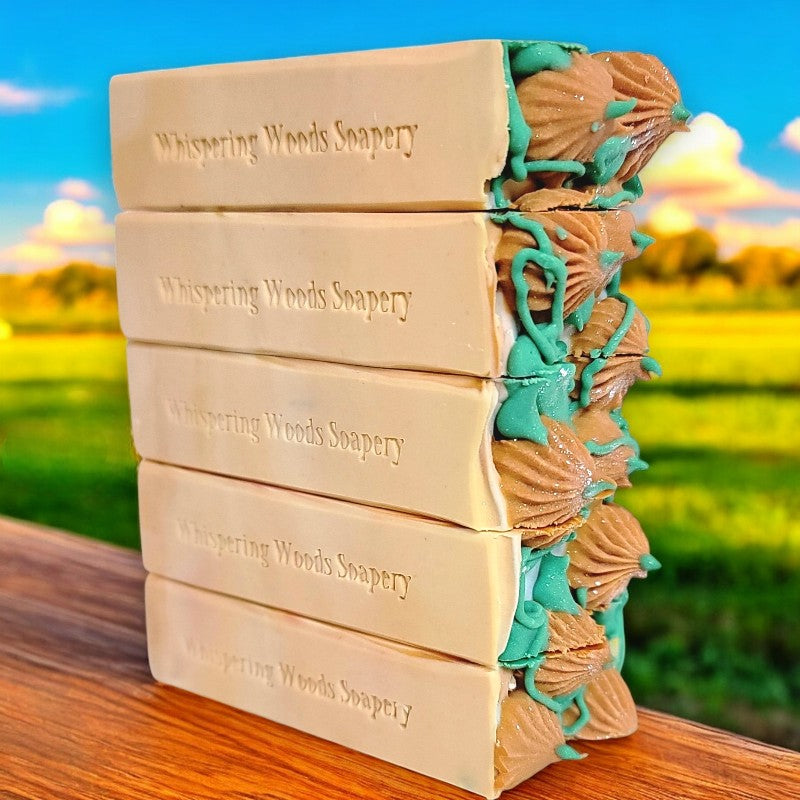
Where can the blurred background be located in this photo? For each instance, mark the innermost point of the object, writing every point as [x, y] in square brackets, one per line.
[714, 634]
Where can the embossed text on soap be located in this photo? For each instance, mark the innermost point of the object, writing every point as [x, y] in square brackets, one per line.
[369, 303]
[331, 434]
[339, 136]
[374, 706]
[213, 421]
[373, 140]
[334, 435]
[374, 579]
[229, 663]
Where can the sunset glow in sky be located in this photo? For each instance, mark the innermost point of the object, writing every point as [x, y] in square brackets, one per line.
[737, 173]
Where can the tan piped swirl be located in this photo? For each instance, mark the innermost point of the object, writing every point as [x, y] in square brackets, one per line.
[537, 538]
[527, 737]
[545, 486]
[561, 107]
[612, 712]
[572, 631]
[619, 227]
[596, 425]
[650, 122]
[528, 195]
[603, 323]
[611, 383]
[525, 196]
[576, 653]
[583, 238]
[606, 554]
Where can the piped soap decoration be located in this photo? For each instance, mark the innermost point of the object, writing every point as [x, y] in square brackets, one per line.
[609, 353]
[528, 738]
[610, 550]
[580, 241]
[615, 328]
[577, 651]
[547, 487]
[612, 712]
[566, 111]
[554, 648]
[615, 451]
[657, 112]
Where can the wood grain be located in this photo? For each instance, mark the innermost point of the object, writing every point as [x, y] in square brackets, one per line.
[80, 716]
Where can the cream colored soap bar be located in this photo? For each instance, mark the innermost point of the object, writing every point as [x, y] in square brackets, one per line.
[414, 291]
[418, 127]
[401, 577]
[403, 440]
[427, 713]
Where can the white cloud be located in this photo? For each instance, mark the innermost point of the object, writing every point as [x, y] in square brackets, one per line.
[32, 255]
[735, 235]
[701, 170]
[69, 231]
[16, 99]
[790, 135]
[77, 189]
[67, 222]
[670, 218]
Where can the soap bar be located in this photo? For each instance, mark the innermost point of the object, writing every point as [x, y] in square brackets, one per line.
[408, 441]
[416, 291]
[401, 577]
[403, 129]
[462, 723]
[372, 436]
[391, 290]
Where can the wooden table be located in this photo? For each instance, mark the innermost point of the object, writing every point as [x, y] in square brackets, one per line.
[80, 716]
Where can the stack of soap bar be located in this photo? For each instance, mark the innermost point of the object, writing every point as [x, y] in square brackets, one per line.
[381, 448]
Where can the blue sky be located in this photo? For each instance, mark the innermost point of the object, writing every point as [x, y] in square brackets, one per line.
[733, 64]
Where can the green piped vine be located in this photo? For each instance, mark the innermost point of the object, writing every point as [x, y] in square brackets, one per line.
[524, 58]
[529, 637]
[541, 380]
[540, 383]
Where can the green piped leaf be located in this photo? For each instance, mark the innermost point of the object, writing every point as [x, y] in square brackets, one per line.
[539, 56]
[641, 240]
[634, 186]
[608, 159]
[649, 563]
[609, 258]
[568, 753]
[519, 134]
[524, 359]
[580, 316]
[649, 364]
[618, 108]
[552, 588]
[680, 113]
[598, 487]
[635, 464]
[612, 201]
[518, 417]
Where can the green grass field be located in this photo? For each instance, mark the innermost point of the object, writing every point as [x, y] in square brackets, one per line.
[713, 634]
[67, 458]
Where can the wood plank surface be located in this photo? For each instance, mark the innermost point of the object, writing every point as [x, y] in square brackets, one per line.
[80, 716]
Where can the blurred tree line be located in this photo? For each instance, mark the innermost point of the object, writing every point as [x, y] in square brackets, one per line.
[688, 257]
[77, 297]
[81, 296]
